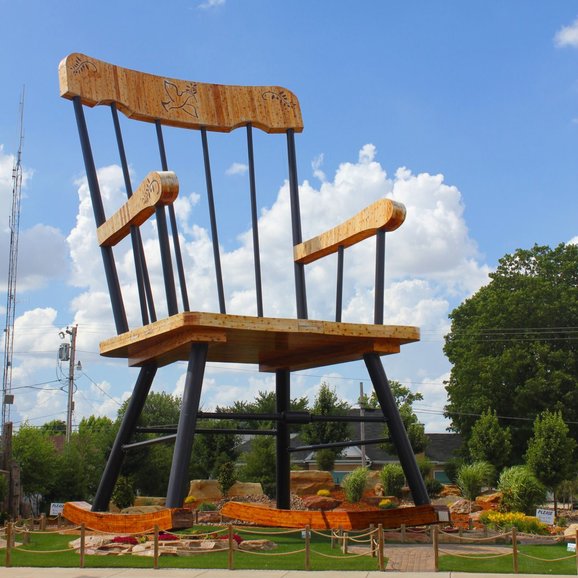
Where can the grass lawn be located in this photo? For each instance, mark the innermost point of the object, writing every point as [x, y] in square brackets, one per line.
[36, 555]
[525, 565]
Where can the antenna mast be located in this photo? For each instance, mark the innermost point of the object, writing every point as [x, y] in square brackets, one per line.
[14, 224]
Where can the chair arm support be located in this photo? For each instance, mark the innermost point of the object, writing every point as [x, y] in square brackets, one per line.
[158, 187]
[383, 214]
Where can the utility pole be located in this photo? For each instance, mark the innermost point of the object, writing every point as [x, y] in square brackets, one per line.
[71, 366]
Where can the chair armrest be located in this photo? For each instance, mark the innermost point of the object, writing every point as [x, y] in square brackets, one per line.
[158, 187]
[383, 214]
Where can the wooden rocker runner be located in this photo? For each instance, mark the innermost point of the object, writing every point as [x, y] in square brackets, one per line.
[277, 345]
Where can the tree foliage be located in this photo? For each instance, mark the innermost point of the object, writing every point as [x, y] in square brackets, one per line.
[490, 442]
[327, 403]
[473, 477]
[512, 346]
[550, 452]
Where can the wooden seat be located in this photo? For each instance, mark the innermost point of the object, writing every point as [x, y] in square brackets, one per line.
[279, 345]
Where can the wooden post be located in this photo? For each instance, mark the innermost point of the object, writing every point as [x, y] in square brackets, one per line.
[514, 550]
[156, 549]
[82, 544]
[230, 561]
[58, 521]
[372, 541]
[344, 543]
[380, 553]
[26, 536]
[196, 517]
[42, 522]
[307, 548]
[9, 530]
[485, 531]
[435, 542]
[403, 533]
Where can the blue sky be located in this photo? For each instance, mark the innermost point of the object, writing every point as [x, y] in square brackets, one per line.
[465, 111]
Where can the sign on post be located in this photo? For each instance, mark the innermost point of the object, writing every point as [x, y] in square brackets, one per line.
[545, 515]
[56, 508]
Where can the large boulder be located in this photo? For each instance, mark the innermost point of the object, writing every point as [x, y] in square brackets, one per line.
[307, 482]
[205, 490]
[242, 489]
[463, 506]
[489, 501]
[322, 503]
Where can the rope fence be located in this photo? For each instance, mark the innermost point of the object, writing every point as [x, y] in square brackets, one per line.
[515, 553]
[371, 542]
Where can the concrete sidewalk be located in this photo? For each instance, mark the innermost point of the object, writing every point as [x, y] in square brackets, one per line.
[192, 573]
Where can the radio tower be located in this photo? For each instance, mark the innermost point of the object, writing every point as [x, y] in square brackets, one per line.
[14, 224]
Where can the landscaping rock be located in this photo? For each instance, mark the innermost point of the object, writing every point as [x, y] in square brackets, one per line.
[570, 532]
[242, 489]
[322, 503]
[489, 501]
[450, 490]
[141, 509]
[462, 506]
[308, 482]
[205, 490]
[257, 545]
[149, 501]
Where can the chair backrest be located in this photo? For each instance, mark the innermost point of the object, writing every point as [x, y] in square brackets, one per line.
[170, 102]
[161, 101]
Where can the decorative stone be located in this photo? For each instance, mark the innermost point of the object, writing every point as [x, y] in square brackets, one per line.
[489, 501]
[307, 482]
[257, 545]
[322, 503]
[141, 509]
[570, 531]
[205, 490]
[462, 506]
[450, 490]
[242, 489]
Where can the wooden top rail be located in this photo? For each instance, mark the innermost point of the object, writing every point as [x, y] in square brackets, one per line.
[160, 187]
[174, 102]
[383, 214]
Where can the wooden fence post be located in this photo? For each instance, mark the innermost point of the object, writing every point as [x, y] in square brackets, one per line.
[9, 530]
[156, 549]
[515, 549]
[42, 522]
[307, 547]
[344, 543]
[230, 559]
[576, 543]
[82, 543]
[380, 553]
[403, 533]
[435, 542]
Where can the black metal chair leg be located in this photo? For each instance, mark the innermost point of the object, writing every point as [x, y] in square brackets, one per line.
[396, 429]
[177, 488]
[283, 475]
[127, 427]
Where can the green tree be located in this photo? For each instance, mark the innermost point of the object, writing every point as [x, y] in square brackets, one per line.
[34, 451]
[490, 442]
[511, 344]
[227, 477]
[550, 452]
[54, 427]
[260, 465]
[404, 399]
[327, 403]
[393, 479]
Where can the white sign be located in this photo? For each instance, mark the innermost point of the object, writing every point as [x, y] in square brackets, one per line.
[56, 508]
[545, 516]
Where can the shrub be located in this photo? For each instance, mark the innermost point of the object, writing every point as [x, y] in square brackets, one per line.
[325, 459]
[504, 521]
[472, 477]
[207, 507]
[387, 504]
[393, 479]
[434, 487]
[521, 490]
[123, 494]
[353, 484]
[226, 477]
[323, 492]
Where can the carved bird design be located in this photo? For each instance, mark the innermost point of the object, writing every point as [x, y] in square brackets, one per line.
[184, 100]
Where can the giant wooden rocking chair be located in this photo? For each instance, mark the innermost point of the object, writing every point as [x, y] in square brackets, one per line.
[276, 345]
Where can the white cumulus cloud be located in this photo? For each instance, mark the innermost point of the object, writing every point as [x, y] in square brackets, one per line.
[567, 35]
